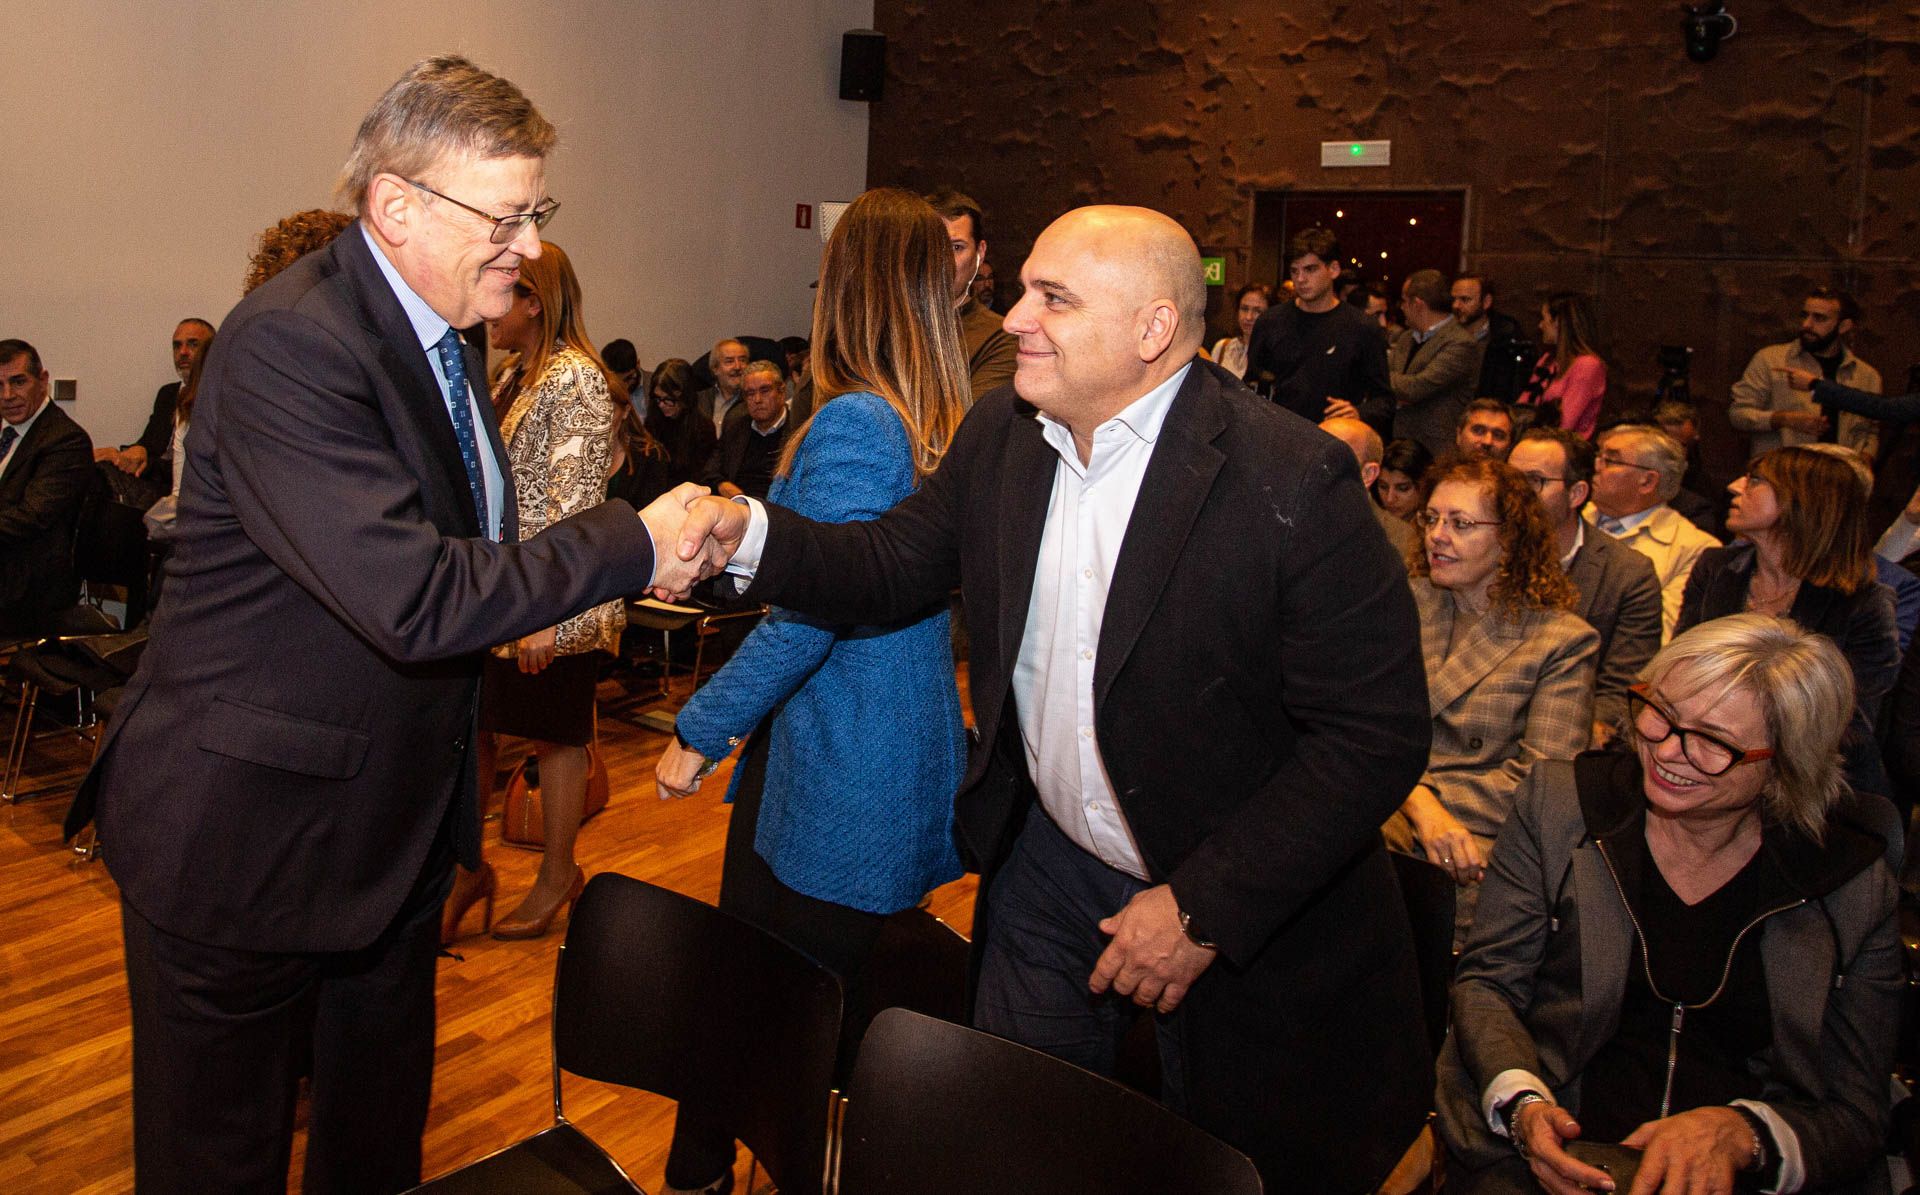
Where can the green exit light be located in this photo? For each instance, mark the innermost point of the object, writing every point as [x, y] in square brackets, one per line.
[1357, 149]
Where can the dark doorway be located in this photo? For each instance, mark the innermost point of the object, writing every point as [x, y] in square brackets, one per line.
[1385, 235]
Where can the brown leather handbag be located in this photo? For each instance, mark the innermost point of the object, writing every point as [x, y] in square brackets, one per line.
[522, 824]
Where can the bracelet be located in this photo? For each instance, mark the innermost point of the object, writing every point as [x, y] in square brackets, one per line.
[1758, 1159]
[1510, 1113]
[707, 766]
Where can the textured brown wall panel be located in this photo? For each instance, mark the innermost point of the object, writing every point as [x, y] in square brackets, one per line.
[1696, 203]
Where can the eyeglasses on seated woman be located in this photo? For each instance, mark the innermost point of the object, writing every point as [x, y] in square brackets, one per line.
[1685, 960]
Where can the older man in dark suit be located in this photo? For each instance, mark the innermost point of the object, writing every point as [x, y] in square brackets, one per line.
[1619, 590]
[290, 776]
[45, 470]
[1198, 687]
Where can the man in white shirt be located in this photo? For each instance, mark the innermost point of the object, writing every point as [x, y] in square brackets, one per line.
[1636, 474]
[1197, 682]
[728, 360]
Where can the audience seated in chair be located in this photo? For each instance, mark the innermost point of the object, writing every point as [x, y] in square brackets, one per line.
[1619, 595]
[1636, 475]
[743, 461]
[1610, 991]
[1509, 667]
[45, 471]
[1801, 553]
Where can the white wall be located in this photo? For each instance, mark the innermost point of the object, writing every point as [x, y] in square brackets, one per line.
[147, 144]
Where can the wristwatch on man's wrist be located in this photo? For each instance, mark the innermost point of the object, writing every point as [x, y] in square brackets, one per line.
[1194, 935]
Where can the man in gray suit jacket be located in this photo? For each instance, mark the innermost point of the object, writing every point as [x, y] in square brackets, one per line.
[1432, 365]
[1619, 591]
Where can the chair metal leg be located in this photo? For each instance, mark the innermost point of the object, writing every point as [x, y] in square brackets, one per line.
[17, 745]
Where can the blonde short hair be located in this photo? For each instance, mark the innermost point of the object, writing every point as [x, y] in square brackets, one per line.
[443, 107]
[1805, 690]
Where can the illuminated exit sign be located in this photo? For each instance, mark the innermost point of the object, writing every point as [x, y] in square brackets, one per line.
[1356, 153]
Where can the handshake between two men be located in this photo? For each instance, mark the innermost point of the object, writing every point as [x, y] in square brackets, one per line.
[695, 534]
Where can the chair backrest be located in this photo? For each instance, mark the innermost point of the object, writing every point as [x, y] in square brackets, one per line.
[938, 1109]
[1429, 895]
[658, 991]
[917, 962]
[110, 548]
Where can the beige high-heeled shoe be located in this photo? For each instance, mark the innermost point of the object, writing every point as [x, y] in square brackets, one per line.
[517, 928]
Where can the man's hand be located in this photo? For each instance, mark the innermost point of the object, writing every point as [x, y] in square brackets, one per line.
[678, 567]
[106, 452]
[1340, 408]
[1800, 379]
[1543, 1127]
[1811, 423]
[1443, 837]
[132, 460]
[1699, 1150]
[1150, 957]
[537, 650]
[730, 490]
[678, 772]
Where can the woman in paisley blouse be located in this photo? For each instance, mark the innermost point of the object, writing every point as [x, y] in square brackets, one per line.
[563, 419]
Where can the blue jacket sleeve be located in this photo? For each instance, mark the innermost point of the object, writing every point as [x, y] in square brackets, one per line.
[853, 465]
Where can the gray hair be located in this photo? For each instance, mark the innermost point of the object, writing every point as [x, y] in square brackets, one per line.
[713, 354]
[763, 366]
[443, 107]
[1805, 691]
[1656, 450]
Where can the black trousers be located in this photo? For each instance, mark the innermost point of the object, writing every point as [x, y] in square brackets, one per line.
[222, 1036]
[837, 937]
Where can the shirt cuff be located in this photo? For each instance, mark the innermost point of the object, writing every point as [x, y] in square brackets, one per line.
[1505, 1086]
[1897, 540]
[746, 560]
[1793, 1167]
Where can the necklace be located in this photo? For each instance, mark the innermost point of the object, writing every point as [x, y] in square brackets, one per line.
[1772, 603]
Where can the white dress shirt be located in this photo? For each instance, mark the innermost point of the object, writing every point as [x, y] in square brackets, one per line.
[429, 327]
[1087, 519]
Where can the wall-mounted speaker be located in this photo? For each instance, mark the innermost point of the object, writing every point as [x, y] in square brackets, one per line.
[863, 64]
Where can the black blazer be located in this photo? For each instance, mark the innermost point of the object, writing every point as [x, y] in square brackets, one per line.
[1861, 624]
[301, 723]
[157, 436]
[1261, 708]
[41, 492]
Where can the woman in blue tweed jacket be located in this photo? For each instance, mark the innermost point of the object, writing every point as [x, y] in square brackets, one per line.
[843, 799]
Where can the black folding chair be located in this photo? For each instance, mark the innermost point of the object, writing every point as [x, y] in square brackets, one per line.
[938, 1109]
[658, 991]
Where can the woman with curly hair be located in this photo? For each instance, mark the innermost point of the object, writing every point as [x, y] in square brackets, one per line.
[291, 239]
[1509, 668]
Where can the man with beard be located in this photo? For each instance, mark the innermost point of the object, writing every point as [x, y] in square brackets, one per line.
[728, 360]
[150, 458]
[1316, 356]
[1775, 415]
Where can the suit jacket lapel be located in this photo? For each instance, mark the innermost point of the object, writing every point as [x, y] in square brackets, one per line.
[1489, 641]
[422, 404]
[1027, 467]
[1179, 477]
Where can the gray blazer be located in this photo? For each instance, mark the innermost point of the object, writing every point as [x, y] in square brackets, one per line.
[1432, 383]
[1540, 985]
[1619, 598]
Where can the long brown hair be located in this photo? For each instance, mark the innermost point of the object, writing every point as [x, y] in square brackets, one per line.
[1578, 332]
[550, 279]
[1529, 576]
[885, 322]
[1823, 523]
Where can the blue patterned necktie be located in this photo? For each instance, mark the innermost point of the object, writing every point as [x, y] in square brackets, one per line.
[1611, 526]
[453, 363]
[7, 437]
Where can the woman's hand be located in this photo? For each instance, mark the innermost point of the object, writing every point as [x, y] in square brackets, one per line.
[1444, 839]
[537, 650]
[1544, 1128]
[678, 772]
[1692, 1153]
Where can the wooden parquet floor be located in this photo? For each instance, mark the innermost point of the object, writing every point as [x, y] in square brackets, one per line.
[65, 1047]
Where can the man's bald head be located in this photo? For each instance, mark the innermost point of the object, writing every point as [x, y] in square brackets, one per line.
[1114, 304]
[1362, 440]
